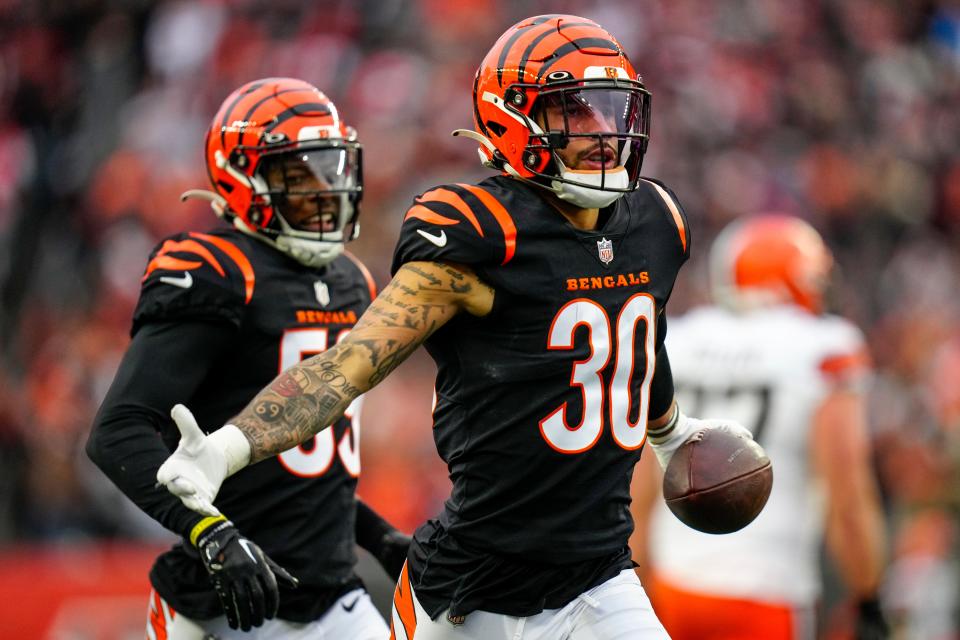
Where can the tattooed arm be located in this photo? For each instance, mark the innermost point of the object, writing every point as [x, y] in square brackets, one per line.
[420, 299]
[311, 395]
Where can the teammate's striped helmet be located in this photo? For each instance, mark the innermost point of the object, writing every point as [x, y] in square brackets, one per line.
[569, 64]
[770, 259]
[273, 145]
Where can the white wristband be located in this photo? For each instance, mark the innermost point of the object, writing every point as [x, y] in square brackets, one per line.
[667, 439]
[235, 447]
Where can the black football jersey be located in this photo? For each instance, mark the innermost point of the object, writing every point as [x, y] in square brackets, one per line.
[298, 507]
[542, 404]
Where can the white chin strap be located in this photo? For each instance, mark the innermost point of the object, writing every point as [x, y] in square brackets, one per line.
[587, 192]
[310, 253]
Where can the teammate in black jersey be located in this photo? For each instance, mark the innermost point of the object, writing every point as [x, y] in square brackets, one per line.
[220, 314]
[540, 294]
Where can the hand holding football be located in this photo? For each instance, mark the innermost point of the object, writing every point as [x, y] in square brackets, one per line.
[717, 481]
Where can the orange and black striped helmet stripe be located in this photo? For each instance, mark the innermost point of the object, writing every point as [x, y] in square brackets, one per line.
[552, 44]
[536, 46]
[245, 108]
[512, 40]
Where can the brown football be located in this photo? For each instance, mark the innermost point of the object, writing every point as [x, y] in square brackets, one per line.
[717, 482]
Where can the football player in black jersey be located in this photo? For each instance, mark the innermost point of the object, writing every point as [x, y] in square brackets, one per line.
[220, 314]
[540, 294]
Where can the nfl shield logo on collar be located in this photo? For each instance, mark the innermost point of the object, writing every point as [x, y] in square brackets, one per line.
[323, 293]
[605, 249]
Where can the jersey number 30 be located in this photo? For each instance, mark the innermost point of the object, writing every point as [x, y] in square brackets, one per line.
[588, 374]
[296, 345]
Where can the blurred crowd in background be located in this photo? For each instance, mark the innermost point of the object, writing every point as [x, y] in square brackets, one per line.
[845, 112]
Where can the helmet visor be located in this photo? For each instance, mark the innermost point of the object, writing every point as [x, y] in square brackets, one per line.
[315, 190]
[594, 111]
[596, 128]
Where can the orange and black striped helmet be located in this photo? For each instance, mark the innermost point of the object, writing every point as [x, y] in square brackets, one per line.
[279, 141]
[770, 259]
[571, 63]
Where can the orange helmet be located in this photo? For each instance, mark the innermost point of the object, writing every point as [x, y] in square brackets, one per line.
[567, 65]
[770, 259]
[285, 168]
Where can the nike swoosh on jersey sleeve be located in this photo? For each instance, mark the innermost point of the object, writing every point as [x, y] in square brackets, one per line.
[439, 239]
[195, 276]
[461, 223]
[184, 281]
[194, 252]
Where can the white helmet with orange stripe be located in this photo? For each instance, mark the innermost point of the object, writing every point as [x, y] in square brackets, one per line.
[770, 259]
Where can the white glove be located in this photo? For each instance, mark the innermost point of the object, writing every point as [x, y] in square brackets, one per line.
[681, 428]
[200, 464]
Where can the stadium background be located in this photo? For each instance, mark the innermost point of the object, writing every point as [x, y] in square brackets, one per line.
[846, 112]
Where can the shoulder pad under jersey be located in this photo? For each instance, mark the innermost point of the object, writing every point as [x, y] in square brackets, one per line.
[671, 206]
[364, 280]
[844, 358]
[195, 276]
[462, 223]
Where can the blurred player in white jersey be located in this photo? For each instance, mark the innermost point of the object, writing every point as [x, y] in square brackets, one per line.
[766, 355]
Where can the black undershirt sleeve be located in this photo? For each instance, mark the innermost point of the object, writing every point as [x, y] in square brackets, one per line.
[164, 364]
[661, 387]
[370, 528]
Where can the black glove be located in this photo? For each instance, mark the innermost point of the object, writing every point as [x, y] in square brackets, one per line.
[384, 542]
[871, 623]
[243, 576]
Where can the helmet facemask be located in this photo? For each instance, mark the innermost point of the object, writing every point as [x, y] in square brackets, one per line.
[588, 138]
[526, 96]
[308, 196]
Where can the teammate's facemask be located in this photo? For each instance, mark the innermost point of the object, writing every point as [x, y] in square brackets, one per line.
[600, 130]
[315, 190]
[285, 168]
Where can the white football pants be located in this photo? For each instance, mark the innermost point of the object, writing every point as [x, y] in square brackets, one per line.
[352, 617]
[618, 609]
